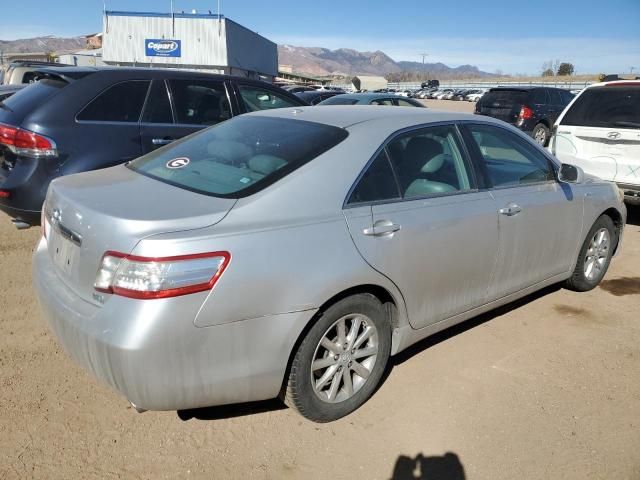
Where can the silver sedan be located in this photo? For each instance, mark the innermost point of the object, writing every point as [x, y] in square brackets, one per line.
[292, 252]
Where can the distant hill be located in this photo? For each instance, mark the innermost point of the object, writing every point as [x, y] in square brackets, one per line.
[315, 61]
[42, 44]
[346, 62]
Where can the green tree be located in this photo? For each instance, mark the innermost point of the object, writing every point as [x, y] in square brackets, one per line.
[565, 68]
[547, 73]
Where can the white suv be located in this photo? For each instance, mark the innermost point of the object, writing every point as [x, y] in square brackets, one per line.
[600, 132]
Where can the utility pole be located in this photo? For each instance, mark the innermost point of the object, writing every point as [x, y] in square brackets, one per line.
[631, 69]
[424, 55]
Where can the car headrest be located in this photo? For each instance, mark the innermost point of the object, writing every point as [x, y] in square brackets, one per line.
[425, 154]
[234, 152]
[266, 164]
[421, 187]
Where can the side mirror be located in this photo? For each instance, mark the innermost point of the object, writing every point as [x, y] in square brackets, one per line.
[570, 174]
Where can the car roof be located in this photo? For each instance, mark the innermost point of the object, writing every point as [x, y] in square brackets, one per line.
[345, 116]
[620, 82]
[139, 72]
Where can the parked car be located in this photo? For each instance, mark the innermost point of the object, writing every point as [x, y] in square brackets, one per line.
[532, 109]
[316, 96]
[79, 119]
[7, 90]
[600, 132]
[298, 89]
[389, 99]
[252, 259]
[22, 71]
[476, 95]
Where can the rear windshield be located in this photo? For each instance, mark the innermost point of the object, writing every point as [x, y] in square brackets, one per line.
[503, 98]
[25, 100]
[338, 100]
[239, 157]
[608, 107]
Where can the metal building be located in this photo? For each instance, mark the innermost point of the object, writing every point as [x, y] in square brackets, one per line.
[187, 40]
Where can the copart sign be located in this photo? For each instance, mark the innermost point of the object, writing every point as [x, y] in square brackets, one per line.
[155, 47]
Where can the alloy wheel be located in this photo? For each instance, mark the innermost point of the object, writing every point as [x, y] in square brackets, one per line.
[344, 358]
[597, 254]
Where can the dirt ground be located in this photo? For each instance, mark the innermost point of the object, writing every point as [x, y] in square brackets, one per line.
[547, 388]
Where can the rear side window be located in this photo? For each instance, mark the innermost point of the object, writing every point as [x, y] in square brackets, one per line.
[241, 156]
[200, 102]
[258, 98]
[504, 98]
[339, 100]
[556, 97]
[33, 96]
[606, 107]
[119, 103]
[377, 182]
[158, 109]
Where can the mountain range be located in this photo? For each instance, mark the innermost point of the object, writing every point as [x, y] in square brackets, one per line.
[318, 61]
[313, 61]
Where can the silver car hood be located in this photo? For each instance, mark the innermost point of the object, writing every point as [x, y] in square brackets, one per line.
[113, 209]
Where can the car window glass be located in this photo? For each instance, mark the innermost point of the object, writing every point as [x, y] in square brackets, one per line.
[241, 156]
[405, 103]
[257, 98]
[377, 183]
[606, 107]
[200, 102]
[566, 97]
[120, 103]
[382, 101]
[429, 162]
[157, 109]
[540, 97]
[556, 98]
[509, 160]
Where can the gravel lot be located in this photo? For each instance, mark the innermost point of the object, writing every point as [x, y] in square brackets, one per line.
[548, 387]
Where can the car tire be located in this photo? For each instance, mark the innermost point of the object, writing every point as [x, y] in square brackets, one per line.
[541, 134]
[324, 383]
[595, 256]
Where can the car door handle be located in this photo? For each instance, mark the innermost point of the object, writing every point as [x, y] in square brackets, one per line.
[382, 228]
[510, 210]
[162, 141]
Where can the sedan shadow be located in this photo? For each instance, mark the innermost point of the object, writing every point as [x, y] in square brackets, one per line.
[253, 408]
[445, 467]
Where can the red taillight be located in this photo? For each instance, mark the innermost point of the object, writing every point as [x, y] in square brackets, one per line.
[24, 142]
[525, 113]
[5, 194]
[7, 134]
[149, 278]
[30, 140]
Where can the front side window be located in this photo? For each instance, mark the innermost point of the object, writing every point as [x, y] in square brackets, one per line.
[382, 101]
[239, 157]
[429, 161]
[120, 103]
[606, 107]
[258, 98]
[200, 102]
[508, 160]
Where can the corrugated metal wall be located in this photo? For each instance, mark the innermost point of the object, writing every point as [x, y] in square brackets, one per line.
[206, 42]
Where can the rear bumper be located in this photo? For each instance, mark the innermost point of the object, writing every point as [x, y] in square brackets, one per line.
[27, 182]
[151, 352]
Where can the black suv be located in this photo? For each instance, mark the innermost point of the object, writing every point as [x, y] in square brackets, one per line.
[533, 110]
[78, 119]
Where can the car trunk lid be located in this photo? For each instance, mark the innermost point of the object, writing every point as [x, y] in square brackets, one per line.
[112, 210]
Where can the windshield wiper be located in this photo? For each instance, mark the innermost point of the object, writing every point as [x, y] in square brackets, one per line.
[623, 123]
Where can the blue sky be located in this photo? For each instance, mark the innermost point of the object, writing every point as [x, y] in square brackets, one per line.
[511, 36]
